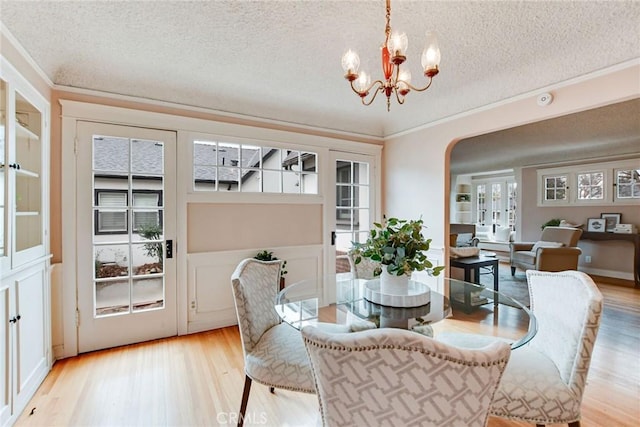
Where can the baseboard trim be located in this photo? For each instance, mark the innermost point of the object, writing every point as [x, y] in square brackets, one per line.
[613, 281]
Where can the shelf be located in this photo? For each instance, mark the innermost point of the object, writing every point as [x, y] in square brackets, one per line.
[27, 173]
[28, 213]
[24, 132]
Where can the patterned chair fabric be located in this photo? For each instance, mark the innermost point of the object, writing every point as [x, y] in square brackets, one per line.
[274, 354]
[365, 269]
[545, 380]
[397, 377]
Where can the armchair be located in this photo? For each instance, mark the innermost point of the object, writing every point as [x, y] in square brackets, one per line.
[555, 251]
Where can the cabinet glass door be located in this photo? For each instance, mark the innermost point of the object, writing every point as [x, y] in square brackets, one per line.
[28, 177]
[3, 168]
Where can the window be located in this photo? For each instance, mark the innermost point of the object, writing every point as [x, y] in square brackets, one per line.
[555, 188]
[628, 184]
[112, 209]
[601, 184]
[591, 186]
[233, 167]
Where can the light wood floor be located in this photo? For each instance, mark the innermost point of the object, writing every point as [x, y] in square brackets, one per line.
[197, 380]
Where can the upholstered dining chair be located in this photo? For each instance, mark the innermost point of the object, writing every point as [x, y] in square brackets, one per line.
[274, 353]
[365, 269]
[397, 377]
[545, 380]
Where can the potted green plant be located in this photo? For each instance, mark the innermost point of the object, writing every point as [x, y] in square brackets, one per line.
[399, 246]
[266, 255]
[551, 223]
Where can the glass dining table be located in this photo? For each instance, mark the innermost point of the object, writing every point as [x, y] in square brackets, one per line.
[339, 303]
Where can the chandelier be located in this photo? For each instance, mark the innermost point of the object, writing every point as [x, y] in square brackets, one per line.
[396, 80]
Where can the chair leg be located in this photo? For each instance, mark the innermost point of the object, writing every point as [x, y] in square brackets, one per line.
[574, 424]
[513, 271]
[272, 390]
[245, 399]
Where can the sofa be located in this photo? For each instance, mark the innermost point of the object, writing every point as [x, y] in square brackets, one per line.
[498, 241]
[462, 235]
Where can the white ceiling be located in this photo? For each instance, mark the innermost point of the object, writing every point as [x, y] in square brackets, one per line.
[281, 59]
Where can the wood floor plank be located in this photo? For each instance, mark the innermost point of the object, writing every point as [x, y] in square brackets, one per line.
[196, 380]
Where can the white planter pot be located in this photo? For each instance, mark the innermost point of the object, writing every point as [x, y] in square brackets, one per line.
[390, 284]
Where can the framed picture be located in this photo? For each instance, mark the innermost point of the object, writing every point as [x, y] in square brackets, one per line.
[612, 219]
[596, 225]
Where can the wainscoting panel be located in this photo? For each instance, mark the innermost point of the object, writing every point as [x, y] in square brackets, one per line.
[209, 281]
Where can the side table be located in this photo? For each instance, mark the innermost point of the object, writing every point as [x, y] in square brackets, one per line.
[475, 263]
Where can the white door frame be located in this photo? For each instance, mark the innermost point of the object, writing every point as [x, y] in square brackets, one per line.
[72, 112]
[330, 203]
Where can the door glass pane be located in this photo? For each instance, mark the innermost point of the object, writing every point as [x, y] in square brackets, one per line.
[353, 216]
[512, 189]
[147, 157]
[481, 206]
[147, 294]
[129, 237]
[496, 204]
[110, 154]
[111, 261]
[111, 297]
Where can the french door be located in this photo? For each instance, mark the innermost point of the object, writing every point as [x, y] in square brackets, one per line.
[126, 221]
[354, 210]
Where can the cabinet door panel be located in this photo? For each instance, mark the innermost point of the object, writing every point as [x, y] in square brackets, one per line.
[31, 354]
[5, 357]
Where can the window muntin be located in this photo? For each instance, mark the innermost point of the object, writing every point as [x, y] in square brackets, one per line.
[591, 185]
[232, 167]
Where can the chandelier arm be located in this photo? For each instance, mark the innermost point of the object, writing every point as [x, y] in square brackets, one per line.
[377, 91]
[379, 82]
[410, 86]
[400, 100]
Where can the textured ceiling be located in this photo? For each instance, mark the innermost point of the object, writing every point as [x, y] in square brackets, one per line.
[608, 131]
[281, 59]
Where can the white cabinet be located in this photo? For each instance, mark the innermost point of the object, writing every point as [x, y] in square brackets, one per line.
[25, 340]
[25, 319]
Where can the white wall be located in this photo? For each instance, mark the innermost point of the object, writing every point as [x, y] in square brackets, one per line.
[416, 178]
